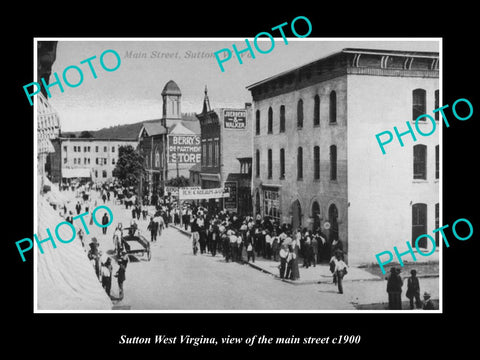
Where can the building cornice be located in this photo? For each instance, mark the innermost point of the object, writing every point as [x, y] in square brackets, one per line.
[349, 61]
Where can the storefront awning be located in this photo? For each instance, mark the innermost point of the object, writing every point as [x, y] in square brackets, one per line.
[267, 186]
[210, 177]
[76, 173]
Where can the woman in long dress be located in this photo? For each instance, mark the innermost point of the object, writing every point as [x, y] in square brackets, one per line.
[295, 270]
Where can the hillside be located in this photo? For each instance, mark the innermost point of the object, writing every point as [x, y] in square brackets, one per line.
[127, 131]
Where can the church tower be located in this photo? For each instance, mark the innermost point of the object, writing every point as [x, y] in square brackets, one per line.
[172, 112]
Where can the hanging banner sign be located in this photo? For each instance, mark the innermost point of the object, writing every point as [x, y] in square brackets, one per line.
[235, 119]
[173, 190]
[196, 194]
[184, 149]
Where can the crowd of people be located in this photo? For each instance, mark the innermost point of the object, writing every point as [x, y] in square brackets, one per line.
[100, 261]
[243, 238]
[237, 238]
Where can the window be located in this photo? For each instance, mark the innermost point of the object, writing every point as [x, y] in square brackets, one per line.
[216, 153]
[96, 161]
[96, 148]
[74, 149]
[104, 173]
[300, 163]
[282, 118]
[79, 148]
[257, 163]
[300, 114]
[257, 122]
[316, 111]
[333, 162]
[271, 204]
[419, 107]
[113, 161]
[333, 107]
[104, 161]
[270, 120]
[113, 148]
[64, 160]
[105, 149]
[269, 163]
[316, 162]
[437, 162]
[84, 161]
[64, 148]
[75, 161]
[419, 224]
[84, 149]
[316, 215]
[282, 163]
[209, 153]
[204, 152]
[96, 173]
[333, 220]
[420, 162]
[437, 104]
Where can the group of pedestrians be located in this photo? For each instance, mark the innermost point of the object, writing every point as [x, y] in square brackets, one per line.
[103, 265]
[245, 238]
[394, 290]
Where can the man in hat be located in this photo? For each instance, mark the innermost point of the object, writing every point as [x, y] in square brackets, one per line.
[413, 289]
[340, 270]
[283, 260]
[120, 275]
[394, 289]
[427, 301]
[94, 256]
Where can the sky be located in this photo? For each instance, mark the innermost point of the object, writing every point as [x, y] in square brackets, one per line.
[132, 93]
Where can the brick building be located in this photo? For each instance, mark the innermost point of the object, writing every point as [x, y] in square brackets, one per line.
[163, 143]
[226, 143]
[317, 163]
[85, 158]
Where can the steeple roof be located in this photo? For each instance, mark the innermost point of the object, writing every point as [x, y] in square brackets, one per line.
[171, 88]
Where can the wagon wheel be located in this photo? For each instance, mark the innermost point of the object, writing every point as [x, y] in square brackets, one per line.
[149, 254]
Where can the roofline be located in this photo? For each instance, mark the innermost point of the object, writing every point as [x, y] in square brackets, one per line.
[405, 53]
[96, 139]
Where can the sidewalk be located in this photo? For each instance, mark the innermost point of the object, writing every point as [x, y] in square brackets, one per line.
[313, 275]
[366, 291]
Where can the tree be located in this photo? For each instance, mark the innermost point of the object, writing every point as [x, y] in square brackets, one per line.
[130, 167]
[85, 134]
[180, 181]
